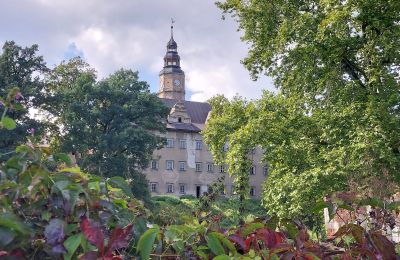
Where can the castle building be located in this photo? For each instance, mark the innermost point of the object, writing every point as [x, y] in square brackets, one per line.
[184, 166]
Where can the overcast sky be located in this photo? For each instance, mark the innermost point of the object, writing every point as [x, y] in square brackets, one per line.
[113, 34]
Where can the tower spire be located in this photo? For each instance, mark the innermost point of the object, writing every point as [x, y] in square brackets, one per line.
[172, 28]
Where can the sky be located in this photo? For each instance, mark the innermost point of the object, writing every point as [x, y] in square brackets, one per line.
[132, 34]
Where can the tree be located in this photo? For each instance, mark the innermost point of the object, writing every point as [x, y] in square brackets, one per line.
[110, 125]
[21, 67]
[223, 129]
[334, 124]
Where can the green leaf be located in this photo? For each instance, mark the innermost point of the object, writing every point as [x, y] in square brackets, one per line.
[214, 244]
[225, 241]
[119, 182]
[8, 123]
[222, 257]
[64, 158]
[146, 242]
[250, 228]
[6, 236]
[12, 222]
[71, 244]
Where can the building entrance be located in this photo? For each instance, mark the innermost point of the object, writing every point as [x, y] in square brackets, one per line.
[198, 188]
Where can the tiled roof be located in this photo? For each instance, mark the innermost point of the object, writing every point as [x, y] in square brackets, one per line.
[197, 111]
[183, 127]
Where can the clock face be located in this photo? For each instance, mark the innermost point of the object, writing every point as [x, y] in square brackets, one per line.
[177, 82]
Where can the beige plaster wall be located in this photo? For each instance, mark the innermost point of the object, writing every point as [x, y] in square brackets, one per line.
[190, 178]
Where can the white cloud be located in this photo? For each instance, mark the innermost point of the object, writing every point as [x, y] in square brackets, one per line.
[133, 34]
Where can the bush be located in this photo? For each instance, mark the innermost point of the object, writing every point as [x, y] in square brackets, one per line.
[62, 211]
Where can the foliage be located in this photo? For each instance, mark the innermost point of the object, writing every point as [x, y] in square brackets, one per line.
[260, 240]
[333, 125]
[20, 67]
[45, 213]
[110, 125]
[168, 210]
[224, 129]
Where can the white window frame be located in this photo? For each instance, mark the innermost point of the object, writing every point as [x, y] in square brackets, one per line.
[170, 188]
[167, 165]
[199, 145]
[252, 191]
[182, 144]
[170, 143]
[153, 184]
[253, 170]
[199, 166]
[154, 164]
[210, 167]
[182, 185]
[265, 170]
[182, 169]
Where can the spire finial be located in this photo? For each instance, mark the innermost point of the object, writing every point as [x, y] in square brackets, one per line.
[172, 27]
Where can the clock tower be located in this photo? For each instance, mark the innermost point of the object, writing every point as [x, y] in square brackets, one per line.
[172, 78]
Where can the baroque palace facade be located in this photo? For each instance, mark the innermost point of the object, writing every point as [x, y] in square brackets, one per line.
[184, 166]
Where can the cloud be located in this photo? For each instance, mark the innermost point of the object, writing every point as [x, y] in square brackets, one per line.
[133, 34]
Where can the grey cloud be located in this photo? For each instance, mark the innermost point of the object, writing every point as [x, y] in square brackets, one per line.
[133, 34]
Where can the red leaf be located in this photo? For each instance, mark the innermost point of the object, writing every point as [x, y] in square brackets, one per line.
[91, 255]
[239, 240]
[384, 246]
[269, 237]
[93, 234]
[352, 229]
[251, 239]
[119, 238]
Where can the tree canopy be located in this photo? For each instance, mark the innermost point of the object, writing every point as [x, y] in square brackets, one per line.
[334, 124]
[110, 125]
[23, 68]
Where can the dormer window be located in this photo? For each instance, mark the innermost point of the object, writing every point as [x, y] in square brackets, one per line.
[179, 119]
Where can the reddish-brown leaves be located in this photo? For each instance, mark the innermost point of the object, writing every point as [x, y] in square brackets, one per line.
[119, 238]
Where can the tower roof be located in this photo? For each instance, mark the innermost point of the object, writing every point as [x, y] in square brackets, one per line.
[172, 43]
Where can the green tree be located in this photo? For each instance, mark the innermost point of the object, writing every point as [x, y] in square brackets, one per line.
[334, 123]
[111, 125]
[21, 67]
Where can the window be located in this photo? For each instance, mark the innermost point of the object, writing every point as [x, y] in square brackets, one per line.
[153, 187]
[252, 191]
[210, 167]
[253, 170]
[170, 188]
[182, 144]
[179, 119]
[222, 168]
[198, 167]
[265, 170]
[199, 145]
[182, 166]
[182, 188]
[170, 143]
[154, 164]
[170, 165]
